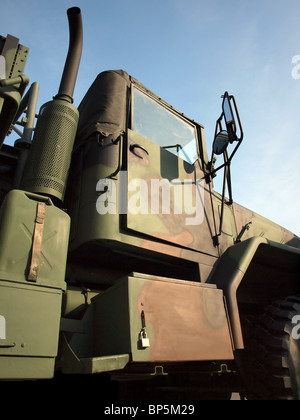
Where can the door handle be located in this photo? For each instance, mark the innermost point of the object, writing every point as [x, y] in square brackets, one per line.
[137, 146]
[6, 344]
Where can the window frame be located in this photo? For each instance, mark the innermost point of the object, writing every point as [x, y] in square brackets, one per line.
[170, 109]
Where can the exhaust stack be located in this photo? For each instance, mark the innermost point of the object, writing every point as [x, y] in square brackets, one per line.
[69, 76]
[47, 168]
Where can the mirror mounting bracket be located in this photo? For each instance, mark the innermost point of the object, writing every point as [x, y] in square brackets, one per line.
[221, 142]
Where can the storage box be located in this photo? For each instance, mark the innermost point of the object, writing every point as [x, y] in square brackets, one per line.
[184, 321]
[17, 223]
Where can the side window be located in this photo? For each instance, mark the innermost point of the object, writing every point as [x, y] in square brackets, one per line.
[163, 127]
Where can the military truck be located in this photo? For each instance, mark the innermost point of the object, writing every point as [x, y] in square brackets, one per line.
[119, 261]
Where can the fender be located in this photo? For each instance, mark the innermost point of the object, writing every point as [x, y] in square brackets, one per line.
[255, 271]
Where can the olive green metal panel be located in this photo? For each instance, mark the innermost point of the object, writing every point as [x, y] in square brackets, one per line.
[112, 321]
[72, 362]
[95, 237]
[97, 163]
[184, 321]
[229, 232]
[30, 310]
[177, 206]
[29, 368]
[17, 224]
[262, 227]
[29, 338]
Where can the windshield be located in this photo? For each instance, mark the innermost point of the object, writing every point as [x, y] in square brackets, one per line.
[158, 124]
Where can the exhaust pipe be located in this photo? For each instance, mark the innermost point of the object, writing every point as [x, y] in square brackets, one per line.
[69, 76]
[47, 167]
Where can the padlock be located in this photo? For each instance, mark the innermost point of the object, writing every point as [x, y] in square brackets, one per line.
[144, 340]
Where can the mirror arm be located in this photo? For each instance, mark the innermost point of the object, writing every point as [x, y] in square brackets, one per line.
[239, 140]
[216, 241]
[226, 180]
[229, 186]
[219, 126]
[212, 172]
[235, 150]
[223, 199]
[239, 120]
[226, 166]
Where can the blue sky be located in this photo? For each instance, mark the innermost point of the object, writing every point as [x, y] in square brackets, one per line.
[190, 52]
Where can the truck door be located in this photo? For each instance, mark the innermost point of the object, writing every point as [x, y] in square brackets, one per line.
[168, 198]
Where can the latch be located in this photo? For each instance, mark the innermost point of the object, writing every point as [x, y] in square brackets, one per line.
[143, 338]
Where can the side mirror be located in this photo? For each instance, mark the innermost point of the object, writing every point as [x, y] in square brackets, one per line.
[229, 117]
[220, 143]
[234, 130]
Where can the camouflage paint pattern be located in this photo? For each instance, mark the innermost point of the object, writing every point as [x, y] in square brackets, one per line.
[190, 324]
[184, 307]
